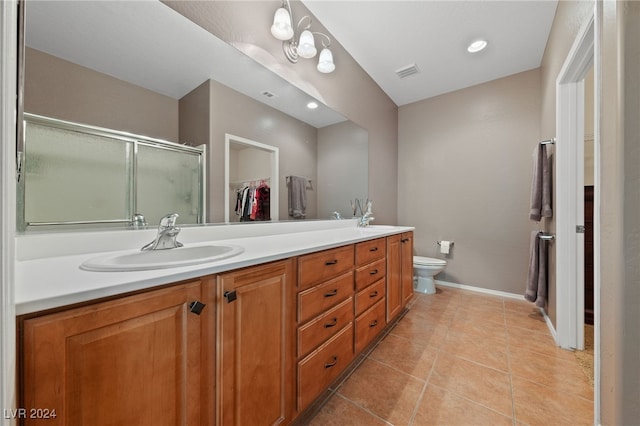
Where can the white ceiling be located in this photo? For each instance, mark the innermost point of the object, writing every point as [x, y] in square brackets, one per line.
[386, 35]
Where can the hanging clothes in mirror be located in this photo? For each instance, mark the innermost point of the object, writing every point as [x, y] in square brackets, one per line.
[253, 201]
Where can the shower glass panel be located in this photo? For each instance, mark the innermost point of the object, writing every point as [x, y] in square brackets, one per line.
[74, 177]
[168, 181]
[78, 175]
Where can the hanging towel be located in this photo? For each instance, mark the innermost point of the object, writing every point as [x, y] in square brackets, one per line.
[541, 185]
[297, 197]
[536, 290]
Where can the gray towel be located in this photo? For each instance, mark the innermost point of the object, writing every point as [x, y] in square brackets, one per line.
[541, 185]
[297, 197]
[537, 277]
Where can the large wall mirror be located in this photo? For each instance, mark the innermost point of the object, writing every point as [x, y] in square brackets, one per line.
[142, 68]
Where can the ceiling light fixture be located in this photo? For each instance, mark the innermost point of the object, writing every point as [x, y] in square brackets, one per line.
[312, 105]
[477, 46]
[302, 46]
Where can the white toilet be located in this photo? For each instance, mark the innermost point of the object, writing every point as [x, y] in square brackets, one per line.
[424, 269]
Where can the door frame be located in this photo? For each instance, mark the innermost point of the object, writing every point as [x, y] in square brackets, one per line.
[229, 140]
[569, 207]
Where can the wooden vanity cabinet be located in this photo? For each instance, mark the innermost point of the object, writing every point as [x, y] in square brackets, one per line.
[256, 325]
[399, 273]
[371, 286]
[325, 320]
[139, 359]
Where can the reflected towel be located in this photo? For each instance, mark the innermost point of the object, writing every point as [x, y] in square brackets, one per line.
[297, 197]
[541, 185]
[536, 290]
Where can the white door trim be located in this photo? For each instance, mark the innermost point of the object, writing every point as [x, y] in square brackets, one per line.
[569, 189]
[569, 209]
[8, 114]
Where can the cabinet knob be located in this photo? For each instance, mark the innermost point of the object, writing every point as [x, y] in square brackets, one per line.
[333, 362]
[373, 323]
[230, 296]
[196, 307]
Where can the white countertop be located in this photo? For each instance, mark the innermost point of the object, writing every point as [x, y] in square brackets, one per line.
[53, 281]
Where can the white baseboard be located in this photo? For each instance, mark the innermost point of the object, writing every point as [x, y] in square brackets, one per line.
[481, 290]
[552, 329]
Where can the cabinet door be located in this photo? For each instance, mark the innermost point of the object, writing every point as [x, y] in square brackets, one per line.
[256, 326]
[394, 276]
[130, 361]
[407, 267]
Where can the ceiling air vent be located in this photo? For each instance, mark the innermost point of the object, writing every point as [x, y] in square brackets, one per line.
[407, 71]
[268, 94]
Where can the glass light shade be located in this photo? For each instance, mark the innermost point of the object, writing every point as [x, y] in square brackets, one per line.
[306, 46]
[281, 28]
[477, 46]
[325, 62]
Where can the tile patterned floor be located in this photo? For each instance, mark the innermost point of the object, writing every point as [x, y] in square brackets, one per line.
[464, 358]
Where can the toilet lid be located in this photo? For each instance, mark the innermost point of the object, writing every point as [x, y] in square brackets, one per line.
[421, 260]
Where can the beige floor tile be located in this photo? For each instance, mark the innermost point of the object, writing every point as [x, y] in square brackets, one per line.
[481, 314]
[340, 412]
[532, 320]
[439, 407]
[421, 330]
[538, 342]
[478, 383]
[488, 352]
[556, 373]
[537, 404]
[411, 357]
[386, 392]
[479, 329]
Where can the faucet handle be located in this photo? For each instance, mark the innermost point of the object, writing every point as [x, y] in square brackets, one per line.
[169, 221]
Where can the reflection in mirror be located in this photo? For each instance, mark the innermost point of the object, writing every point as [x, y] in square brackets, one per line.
[141, 67]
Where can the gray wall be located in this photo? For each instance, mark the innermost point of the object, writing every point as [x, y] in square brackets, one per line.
[60, 89]
[465, 174]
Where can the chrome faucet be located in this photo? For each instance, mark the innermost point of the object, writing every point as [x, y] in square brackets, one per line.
[167, 233]
[336, 216]
[367, 216]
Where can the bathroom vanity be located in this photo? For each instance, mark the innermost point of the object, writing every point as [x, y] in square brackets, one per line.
[254, 339]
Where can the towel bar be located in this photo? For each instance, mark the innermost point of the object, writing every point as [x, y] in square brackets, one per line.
[544, 236]
[548, 141]
[440, 243]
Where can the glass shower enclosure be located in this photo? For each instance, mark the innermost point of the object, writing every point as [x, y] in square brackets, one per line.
[78, 175]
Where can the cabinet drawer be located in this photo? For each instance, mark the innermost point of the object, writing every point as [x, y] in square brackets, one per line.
[369, 324]
[317, 267]
[368, 251]
[369, 296]
[322, 366]
[318, 299]
[367, 275]
[324, 326]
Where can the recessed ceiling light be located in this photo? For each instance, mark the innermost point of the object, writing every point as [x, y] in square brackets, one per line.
[312, 105]
[477, 46]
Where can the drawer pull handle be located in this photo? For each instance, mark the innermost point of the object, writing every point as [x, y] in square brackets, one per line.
[373, 249]
[374, 294]
[404, 240]
[374, 272]
[333, 362]
[373, 323]
[333, 323]
[330, 262]
[331, 293]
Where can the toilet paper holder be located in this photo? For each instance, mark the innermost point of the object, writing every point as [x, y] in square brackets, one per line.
[440, 243]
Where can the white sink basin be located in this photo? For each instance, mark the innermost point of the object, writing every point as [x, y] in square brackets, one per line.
[136, 260]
